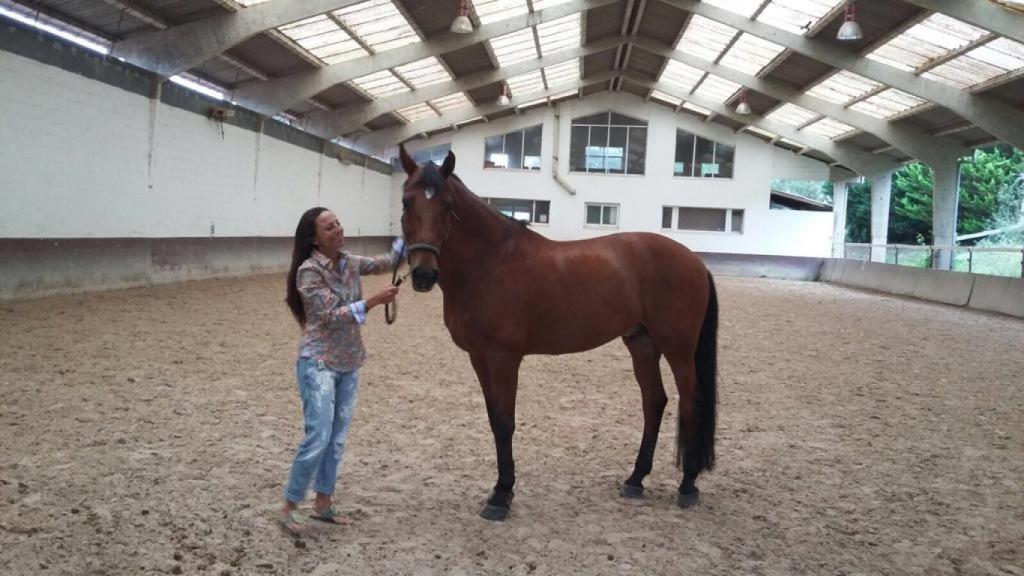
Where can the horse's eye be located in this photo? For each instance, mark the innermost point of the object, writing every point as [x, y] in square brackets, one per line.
[405, 203]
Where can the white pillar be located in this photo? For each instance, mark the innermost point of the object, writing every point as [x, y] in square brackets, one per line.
[841, 182]
[881, 190]
[945, 201]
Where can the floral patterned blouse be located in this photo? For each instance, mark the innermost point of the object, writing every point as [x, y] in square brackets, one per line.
[332, 297]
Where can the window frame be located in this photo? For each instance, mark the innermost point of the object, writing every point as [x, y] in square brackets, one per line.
[490, 201]
[693, 157]
[447, 146]
[608, 127]
[674, 221]
[522, 150]
[602, 206]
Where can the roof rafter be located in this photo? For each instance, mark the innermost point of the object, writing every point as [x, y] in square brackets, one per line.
[852, 156]
[272, 97]
[987, 113]
[387, 137]
[349, 118]
[912, 141]
[174, 50]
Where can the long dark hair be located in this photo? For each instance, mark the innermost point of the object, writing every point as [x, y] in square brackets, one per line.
[305, 234]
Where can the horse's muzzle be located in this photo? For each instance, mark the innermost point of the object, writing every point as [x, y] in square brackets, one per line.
[424, 278]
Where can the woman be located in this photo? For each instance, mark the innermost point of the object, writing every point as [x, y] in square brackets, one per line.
[325, 296]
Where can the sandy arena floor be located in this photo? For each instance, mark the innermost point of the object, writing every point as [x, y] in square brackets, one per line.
[151, 430]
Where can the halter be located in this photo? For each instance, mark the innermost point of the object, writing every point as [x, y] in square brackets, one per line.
[391, 308]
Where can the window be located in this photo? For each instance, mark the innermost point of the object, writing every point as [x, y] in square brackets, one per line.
[701, 158]
[532, 211]
[435, 154]
[519, 150]
[603, 215]
[703, 219]
[608, 143]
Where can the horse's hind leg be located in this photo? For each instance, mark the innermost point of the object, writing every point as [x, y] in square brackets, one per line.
[685, 373]
[646, 357]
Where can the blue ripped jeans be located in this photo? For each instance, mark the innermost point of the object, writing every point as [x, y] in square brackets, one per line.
[328, 401]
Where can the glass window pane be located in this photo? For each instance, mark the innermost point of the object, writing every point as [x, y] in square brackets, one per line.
[593, 214]
[704, 165]
[684, 154]
[615, 155]
[494, 152]
[610, 216]
[637, 157]
[737, 221]
[531, 154]
[596, 149]
[724, 156]
[438, 153]
[578, 149]
[666, 216]
[711, 219]
[542, 209]
[621, 120]
[601, 118]
[514, 149]
[421, 156]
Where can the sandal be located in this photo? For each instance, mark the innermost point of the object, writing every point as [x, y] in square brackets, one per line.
[293, 523]
[331, 516]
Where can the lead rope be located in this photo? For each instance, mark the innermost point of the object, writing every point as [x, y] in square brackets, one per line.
[391, 308]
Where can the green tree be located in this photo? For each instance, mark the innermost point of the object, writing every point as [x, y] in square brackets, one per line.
[990, 189]
[858, 213]
[910, 216]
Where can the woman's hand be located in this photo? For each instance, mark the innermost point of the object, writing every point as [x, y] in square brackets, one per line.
[383, 297]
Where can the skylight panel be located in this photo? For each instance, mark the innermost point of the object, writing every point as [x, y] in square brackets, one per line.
[381, 84]
[932, 38]
[792, 114]
[378, 24]
[717, 88]
[416, 112]
[705, 38]
[248, 3]
[526, 83]
[324, 39]
[539, 5]
[888, 103]
[666, 98]
[829, 128]
[564, 73]
[489, 11]
[796, 16]
[681, 76]
[983, 63]
[745, 8]
[423, 72]
[697, 109]
[559, 34]
[843, 87]
[515, 47]
[451, 102]
[751, 54]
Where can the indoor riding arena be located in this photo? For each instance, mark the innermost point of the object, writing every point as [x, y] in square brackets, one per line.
[858, 201]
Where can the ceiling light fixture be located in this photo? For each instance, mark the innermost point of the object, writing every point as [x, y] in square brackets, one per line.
[850, 31]
[504, 95]
[461, 24]
[743, 108]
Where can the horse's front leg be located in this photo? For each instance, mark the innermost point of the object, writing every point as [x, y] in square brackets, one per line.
[499, 379]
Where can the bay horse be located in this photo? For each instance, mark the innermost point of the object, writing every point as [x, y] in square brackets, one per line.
[509, 292]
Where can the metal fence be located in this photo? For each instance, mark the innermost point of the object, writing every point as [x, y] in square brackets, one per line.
[993, 260]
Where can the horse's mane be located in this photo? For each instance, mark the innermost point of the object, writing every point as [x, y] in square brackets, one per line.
[431, 177]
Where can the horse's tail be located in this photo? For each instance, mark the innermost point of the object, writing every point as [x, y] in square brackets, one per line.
[706, 360]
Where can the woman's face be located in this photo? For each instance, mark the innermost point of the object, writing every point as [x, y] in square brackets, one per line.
[330, 236]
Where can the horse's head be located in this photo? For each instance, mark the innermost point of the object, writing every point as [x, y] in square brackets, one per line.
[426, 215]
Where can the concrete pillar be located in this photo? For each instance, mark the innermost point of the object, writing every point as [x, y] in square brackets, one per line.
[881, 191]
[841, 182]
[945, 200]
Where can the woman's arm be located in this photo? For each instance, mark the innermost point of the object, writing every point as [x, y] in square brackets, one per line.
[383, 263]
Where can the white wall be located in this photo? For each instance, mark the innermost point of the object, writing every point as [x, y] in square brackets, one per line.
[75, 163]
[641, 198]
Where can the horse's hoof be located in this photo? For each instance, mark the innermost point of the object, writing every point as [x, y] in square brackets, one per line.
[495, 513]
[630, 491]
[688, 499]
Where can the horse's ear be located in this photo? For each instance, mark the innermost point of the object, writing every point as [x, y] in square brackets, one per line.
[407, 162]
[449, 164]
